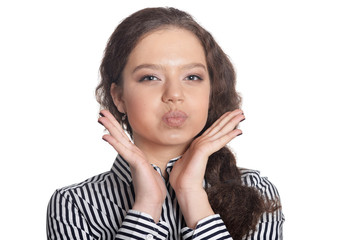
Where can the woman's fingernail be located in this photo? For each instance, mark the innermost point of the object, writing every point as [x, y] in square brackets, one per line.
[104, 139]
[100, 123]
[101, 114]
[242, 120]
[239, 134]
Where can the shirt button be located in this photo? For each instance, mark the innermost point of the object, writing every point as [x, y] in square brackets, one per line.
[149, 237]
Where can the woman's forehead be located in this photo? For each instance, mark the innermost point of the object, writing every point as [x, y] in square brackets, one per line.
[168, 46]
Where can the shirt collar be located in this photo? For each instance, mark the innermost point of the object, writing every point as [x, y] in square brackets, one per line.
[121, 168]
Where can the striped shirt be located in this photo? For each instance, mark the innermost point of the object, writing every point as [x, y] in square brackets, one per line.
[101, 208]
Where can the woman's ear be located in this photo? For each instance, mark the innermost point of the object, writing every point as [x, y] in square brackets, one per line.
[117, 94]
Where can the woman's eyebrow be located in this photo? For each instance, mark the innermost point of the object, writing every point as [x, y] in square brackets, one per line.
[160, 67]
[194, 65]
[148, 66]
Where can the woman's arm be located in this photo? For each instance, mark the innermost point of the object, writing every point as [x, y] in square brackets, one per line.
[188, 172]
[73, 215]
[150, 190]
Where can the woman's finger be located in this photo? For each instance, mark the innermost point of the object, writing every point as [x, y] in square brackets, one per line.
[108, 115]
[216, 123]
[117, 138]
[228, 127]
[112, 125]
[223, 120]
[230, 119]
[225, 139]
[113, 130]
[126, 149]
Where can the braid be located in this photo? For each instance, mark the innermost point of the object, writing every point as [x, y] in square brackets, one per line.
[239, 206]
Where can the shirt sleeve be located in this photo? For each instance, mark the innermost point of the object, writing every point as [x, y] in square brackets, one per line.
[64, 221]
[211, 227]
[139, 225]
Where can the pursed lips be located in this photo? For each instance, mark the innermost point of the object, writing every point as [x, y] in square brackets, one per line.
[174, 118]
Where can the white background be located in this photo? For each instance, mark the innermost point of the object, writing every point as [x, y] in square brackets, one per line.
[298, 65]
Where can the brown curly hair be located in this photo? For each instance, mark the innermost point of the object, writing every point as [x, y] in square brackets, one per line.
[239, 206]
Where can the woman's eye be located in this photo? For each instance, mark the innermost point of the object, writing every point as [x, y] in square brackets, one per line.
[149, 78]
[193, 78]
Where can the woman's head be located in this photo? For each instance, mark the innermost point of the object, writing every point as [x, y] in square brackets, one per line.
[127, 35]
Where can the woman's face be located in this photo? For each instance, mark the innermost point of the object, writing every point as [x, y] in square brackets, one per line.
[166, 88]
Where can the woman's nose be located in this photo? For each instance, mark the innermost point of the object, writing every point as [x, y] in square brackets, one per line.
[173, 91]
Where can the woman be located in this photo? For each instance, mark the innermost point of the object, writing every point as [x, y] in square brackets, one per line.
[166, 82]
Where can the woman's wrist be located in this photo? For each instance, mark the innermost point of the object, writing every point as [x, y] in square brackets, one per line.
[195, 206]
[153, 210]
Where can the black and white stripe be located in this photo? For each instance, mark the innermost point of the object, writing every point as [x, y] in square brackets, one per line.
[101, 208]
[270, 225]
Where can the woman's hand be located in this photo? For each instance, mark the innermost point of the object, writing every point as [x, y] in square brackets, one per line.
[150, 190]
[188, 172]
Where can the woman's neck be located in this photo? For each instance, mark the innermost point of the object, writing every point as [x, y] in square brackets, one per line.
[160, 155]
